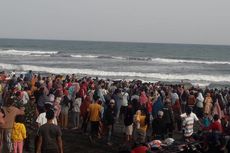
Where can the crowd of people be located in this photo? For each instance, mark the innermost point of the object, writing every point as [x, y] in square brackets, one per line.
[32, 104]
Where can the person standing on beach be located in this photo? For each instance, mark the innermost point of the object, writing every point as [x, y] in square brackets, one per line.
[6, 129]
[65, 105]
[191, 100]
[199, 105]
[128, 122]
[144, 123]
[1, 93]
[76, 111]
[208, 104]
[18, 134]
[28, 76]
[41, 119]
[84, 113]
[159, 126]
[184, 100]
[41, 99]
[118, 99]
[94, 115]
[30, 123]
[188, 119]
[109, 119]
[49, 140]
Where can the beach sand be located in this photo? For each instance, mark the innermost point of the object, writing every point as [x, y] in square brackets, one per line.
[75, 141]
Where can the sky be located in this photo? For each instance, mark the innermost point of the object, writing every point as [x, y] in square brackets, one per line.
[157, 21]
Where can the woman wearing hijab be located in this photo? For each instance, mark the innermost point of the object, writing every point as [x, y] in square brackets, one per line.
[157, 105]
[199, 105]
[208, 104]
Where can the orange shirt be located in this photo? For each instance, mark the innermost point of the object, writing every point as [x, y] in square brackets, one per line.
[94, 111]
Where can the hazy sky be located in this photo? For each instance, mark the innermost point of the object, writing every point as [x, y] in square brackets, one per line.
[166, 21]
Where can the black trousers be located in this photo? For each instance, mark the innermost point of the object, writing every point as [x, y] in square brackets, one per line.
[94, 128]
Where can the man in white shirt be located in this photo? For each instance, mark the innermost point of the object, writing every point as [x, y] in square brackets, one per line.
[41, 119]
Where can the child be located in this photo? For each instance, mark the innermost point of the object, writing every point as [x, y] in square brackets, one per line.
[18, 134]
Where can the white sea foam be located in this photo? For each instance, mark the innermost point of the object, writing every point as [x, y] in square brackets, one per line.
[26, 53]
[155, 76]
[158, 60]
[166, 60]
[118, 57]
[98, 56]
[85, 56]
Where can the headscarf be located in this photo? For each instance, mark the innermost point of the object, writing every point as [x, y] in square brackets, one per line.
[158, 105]
[200, 97]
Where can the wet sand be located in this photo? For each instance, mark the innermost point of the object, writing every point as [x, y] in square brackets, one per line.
[75, 141]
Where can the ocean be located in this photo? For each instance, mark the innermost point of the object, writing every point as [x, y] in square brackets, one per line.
[198, 64]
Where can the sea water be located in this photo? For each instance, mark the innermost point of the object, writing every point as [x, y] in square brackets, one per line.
[198, 64]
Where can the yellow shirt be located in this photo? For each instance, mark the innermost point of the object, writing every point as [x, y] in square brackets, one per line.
[143, 126]
[18, 132]
[94, 110]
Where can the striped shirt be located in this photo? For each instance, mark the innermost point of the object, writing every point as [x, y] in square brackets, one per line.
[188, 121]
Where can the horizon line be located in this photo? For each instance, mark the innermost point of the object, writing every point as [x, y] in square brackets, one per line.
[110, 41]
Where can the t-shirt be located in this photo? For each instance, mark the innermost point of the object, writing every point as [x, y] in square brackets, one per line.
[188, 122]
[43, 120]
[215, 127]
[18, 132]
[94, 110]
[49, 134]
[125, 99]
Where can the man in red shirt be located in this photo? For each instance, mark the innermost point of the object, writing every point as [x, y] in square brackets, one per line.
[215, 126]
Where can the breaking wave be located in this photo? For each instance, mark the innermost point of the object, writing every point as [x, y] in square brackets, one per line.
[13, 52]
[27, 53]
[154, 76]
